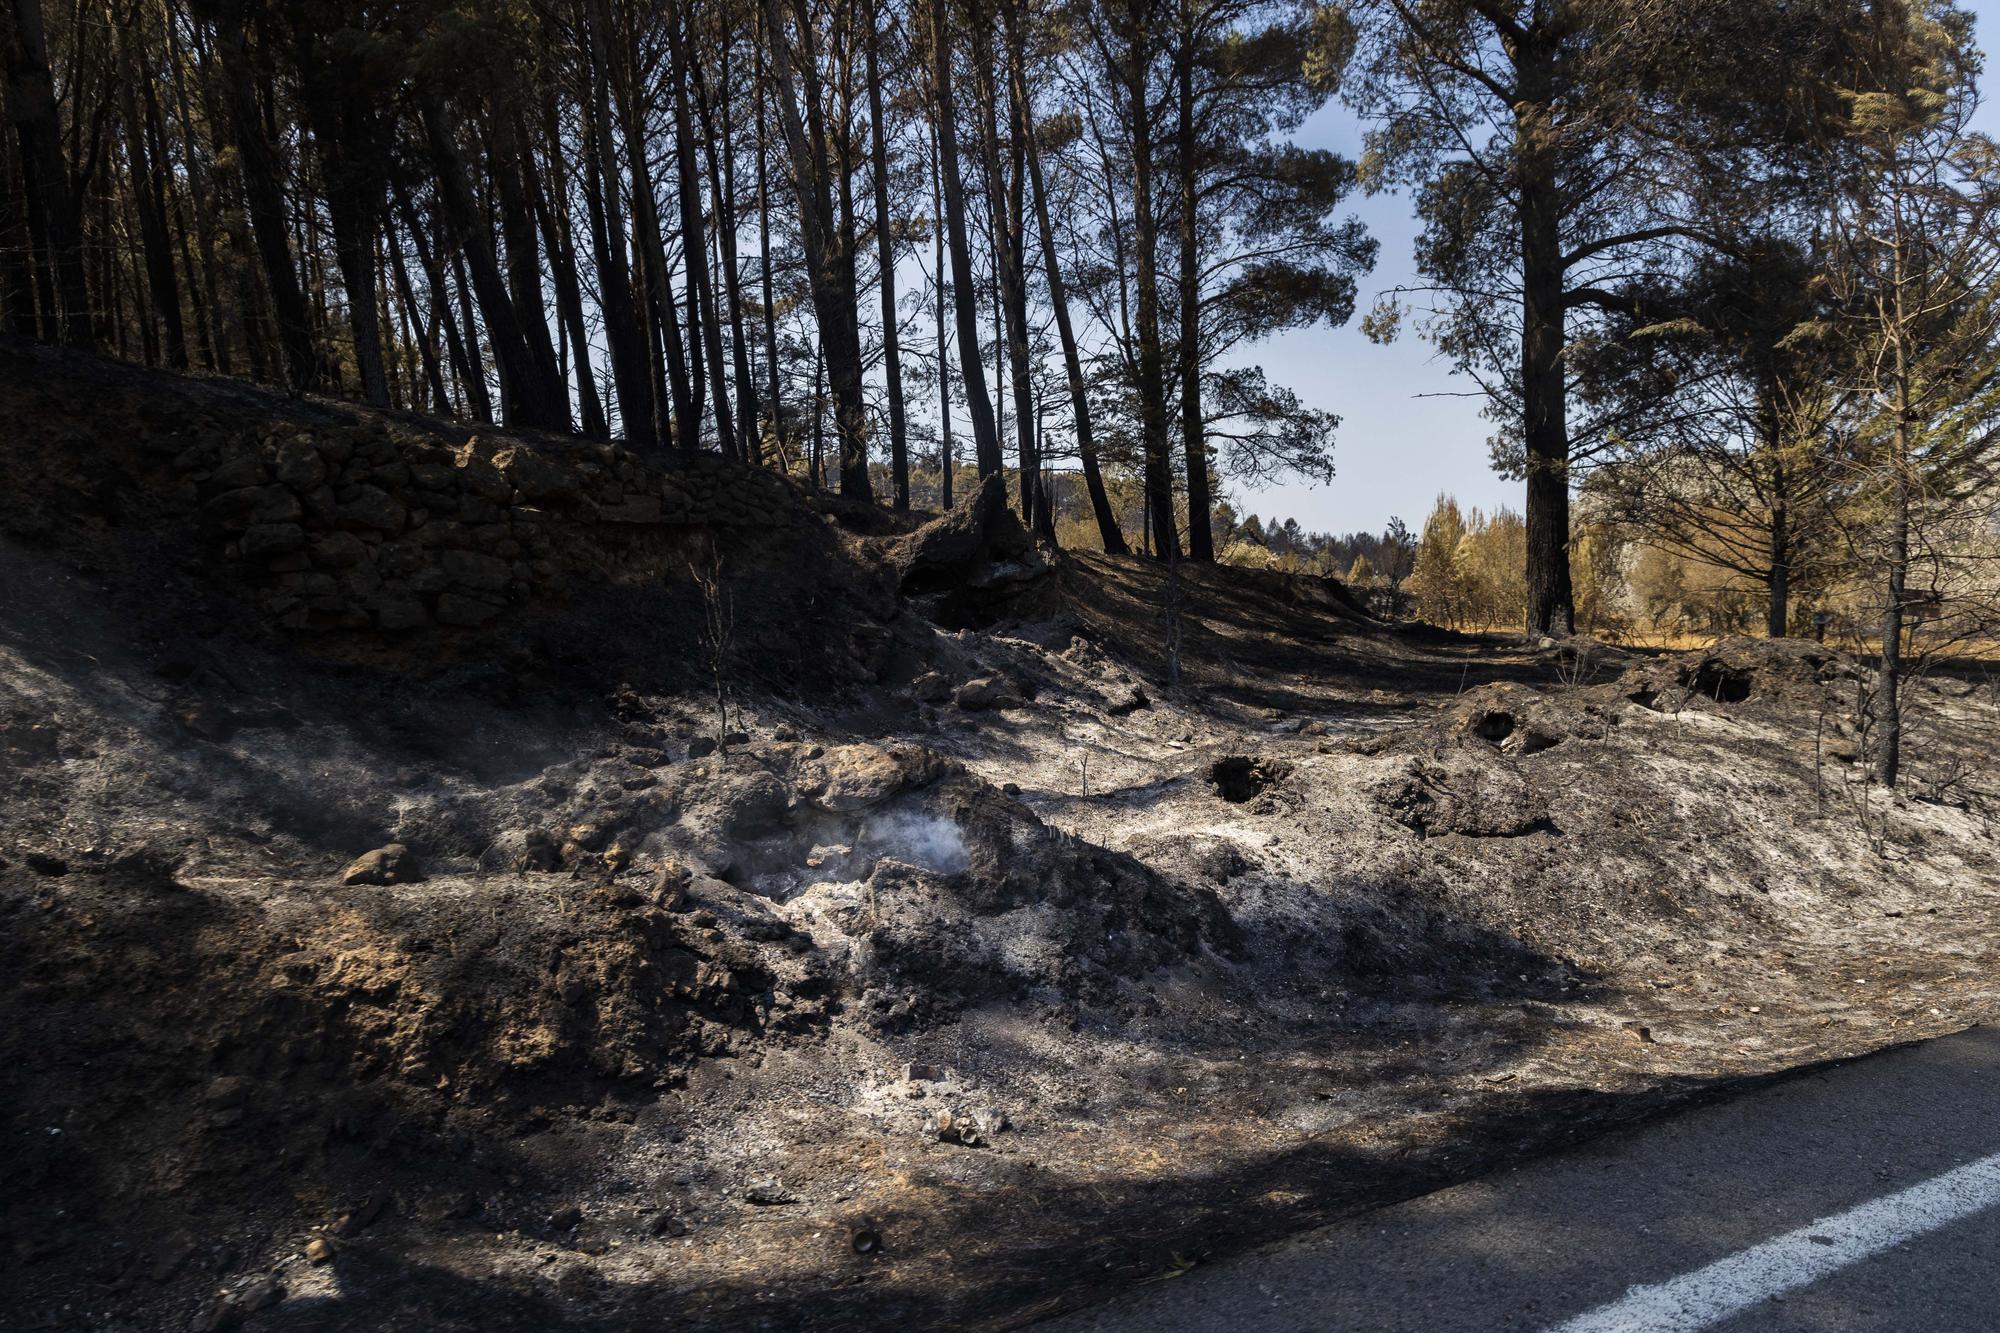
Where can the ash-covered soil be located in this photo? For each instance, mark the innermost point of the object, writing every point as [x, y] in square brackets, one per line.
[978, 971]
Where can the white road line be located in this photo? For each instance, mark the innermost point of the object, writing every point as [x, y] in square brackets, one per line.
[1799, 1258]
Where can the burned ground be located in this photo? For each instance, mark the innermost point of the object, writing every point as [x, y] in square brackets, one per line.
[667, 1005]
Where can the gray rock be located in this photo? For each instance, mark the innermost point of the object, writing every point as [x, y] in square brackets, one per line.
[984, 692]
[400, 613]
[238, 473]
[483, 479]
[537, 478]
[233, 505]
[393, 864]
[373, 507]
[275, 504]
[949, 1126]
[299, 465]
[261, 1294]
[464, 612]
[319, 503]
[339, 550]
[979, 693]
[1126, 699]
[272, 538]
[849, 778]
[474, 570]
[737, 806]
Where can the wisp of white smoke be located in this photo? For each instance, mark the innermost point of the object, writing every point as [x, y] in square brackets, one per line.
[922, 840]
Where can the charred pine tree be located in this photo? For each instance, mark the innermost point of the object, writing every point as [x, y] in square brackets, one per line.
[1137, 77]
[1108, 532]
[149, 197]
[830, 261]
[885, 258]
[624, 330]
[978, 405]
[531, 398]
[55, 224]
[346, 135]
[263, 192]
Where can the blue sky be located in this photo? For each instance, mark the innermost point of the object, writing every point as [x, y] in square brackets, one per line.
[1403, 436]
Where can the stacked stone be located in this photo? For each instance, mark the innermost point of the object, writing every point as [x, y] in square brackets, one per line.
[702, 490]
[355, 526]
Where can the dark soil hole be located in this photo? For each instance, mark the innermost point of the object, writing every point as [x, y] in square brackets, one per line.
[1240, 778]
[1645, 698]
[1495, 726]
[1725, 685]
[1533, 741]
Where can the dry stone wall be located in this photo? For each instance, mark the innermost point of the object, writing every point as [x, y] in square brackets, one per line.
[364, 525]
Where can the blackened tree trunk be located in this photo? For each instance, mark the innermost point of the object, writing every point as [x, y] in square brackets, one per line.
[512, 173]
[1888, 709]
[252, 305]
[1778, 613]
[815, 466]
[475, 356]
[702, 308]
[535, 402]
[1544, 392]
[1010, 232]
[1194, 429]
[426, 328]
[191, 274]
[558, 239]
[54, 221]
[17, 279]
[660, 326]
[1146, 251]
[462, 361]
[149, 198]
[201, 203]
[721, 159]
[946, 448]
[986, 113]
[1888, 702]
[1079, 398]
[624, 333]
[685, 428]
[978, 406]
[885, 258]
[344, 132]
[263, 191]
[764, 257]
[841, 160]
[830, 263]
[693, 253]
[1777, 616]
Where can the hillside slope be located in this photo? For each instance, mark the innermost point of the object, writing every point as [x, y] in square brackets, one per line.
[975, 972]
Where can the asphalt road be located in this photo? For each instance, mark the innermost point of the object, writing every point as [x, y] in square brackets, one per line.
[1856, 1199]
